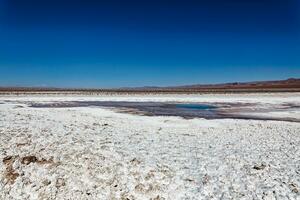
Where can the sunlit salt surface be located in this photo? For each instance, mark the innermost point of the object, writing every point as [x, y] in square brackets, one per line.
[59, 150]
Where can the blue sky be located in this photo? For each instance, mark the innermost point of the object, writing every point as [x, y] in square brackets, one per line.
[137, 43]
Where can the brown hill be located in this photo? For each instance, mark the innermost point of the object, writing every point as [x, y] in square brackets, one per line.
[289, 83]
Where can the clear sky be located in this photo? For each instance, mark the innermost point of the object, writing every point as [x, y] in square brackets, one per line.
[72, 43]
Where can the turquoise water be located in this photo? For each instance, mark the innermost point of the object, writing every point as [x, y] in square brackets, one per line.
[195, 106]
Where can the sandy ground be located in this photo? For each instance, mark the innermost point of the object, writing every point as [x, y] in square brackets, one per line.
[94, 153]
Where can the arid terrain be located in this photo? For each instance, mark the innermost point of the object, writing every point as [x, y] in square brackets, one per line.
[95, 152]
[288, 85]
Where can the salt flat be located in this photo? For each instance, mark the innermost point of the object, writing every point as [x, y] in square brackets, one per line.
[97, 153]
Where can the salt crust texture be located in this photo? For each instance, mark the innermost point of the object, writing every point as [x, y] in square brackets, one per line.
[94, 153]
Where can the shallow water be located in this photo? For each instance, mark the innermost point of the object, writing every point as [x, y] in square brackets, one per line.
[196, 106]
[145, 108]
[185, 110]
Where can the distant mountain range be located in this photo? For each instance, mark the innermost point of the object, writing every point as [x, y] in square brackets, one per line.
[292, 84]
[288, 83]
